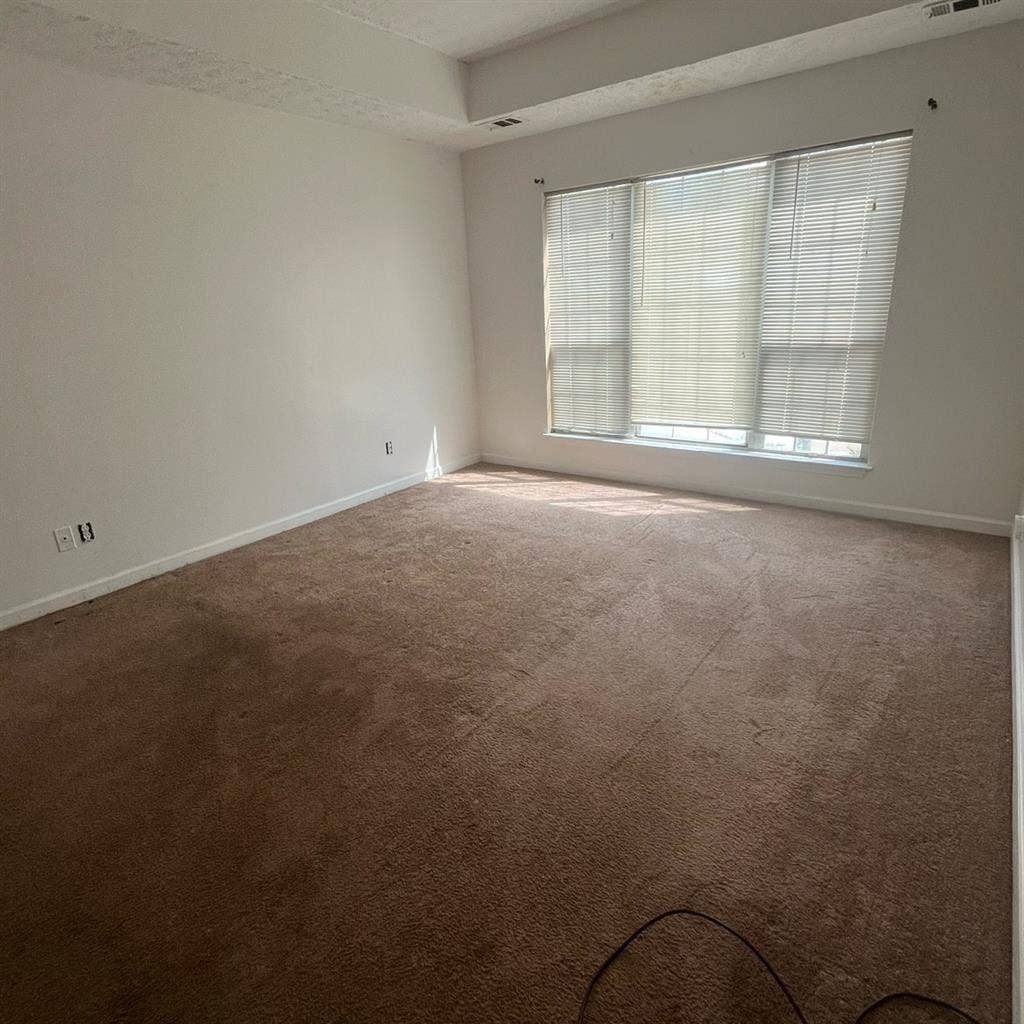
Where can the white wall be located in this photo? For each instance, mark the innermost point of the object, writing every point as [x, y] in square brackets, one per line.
[948, 438]
[214, 316]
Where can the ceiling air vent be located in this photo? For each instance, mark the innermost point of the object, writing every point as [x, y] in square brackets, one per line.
[934, 10]
[506, 122]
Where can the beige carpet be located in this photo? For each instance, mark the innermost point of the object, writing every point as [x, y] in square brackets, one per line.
[434, 758]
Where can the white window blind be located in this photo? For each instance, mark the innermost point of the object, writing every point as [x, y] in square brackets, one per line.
[698, 264]
[750, 301]
[587, 286]
[835, 222]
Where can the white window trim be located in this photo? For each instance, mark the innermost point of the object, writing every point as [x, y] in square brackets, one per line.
[819, 464]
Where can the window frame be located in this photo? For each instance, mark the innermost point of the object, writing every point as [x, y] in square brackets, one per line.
[754, 444]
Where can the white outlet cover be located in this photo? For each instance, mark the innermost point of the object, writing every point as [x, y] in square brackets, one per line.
[65, 538]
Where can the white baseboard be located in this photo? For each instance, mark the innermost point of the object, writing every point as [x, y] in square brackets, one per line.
[1017, 640]
[96, 588]
[898, 513]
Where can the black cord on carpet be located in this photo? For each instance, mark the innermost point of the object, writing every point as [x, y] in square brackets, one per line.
[783, 988]
[927, 1000]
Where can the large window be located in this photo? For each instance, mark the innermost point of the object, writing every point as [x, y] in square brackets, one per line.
[741, 306]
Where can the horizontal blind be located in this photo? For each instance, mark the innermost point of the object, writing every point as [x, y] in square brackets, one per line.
[698, 260]
[832, 237]
[587, 288]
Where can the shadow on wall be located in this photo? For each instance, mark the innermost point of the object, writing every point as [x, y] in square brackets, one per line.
[590, 496]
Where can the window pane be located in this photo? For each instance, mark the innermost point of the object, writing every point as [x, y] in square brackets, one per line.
[727, 436]
[647, 430]
[810, 446]
[690, 433]
[844, 449]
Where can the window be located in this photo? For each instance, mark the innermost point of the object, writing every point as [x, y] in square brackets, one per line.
[741, 306]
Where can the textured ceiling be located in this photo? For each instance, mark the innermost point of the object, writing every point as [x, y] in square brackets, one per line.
[119, 51]
[468, 29]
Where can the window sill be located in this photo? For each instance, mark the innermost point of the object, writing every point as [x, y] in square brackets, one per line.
[836, 467]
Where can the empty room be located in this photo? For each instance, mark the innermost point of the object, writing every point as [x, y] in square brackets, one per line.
[513, 511]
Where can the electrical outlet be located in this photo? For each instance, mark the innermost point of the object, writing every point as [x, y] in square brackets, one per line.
[85, 532]
[65, 538]
[389, 448]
